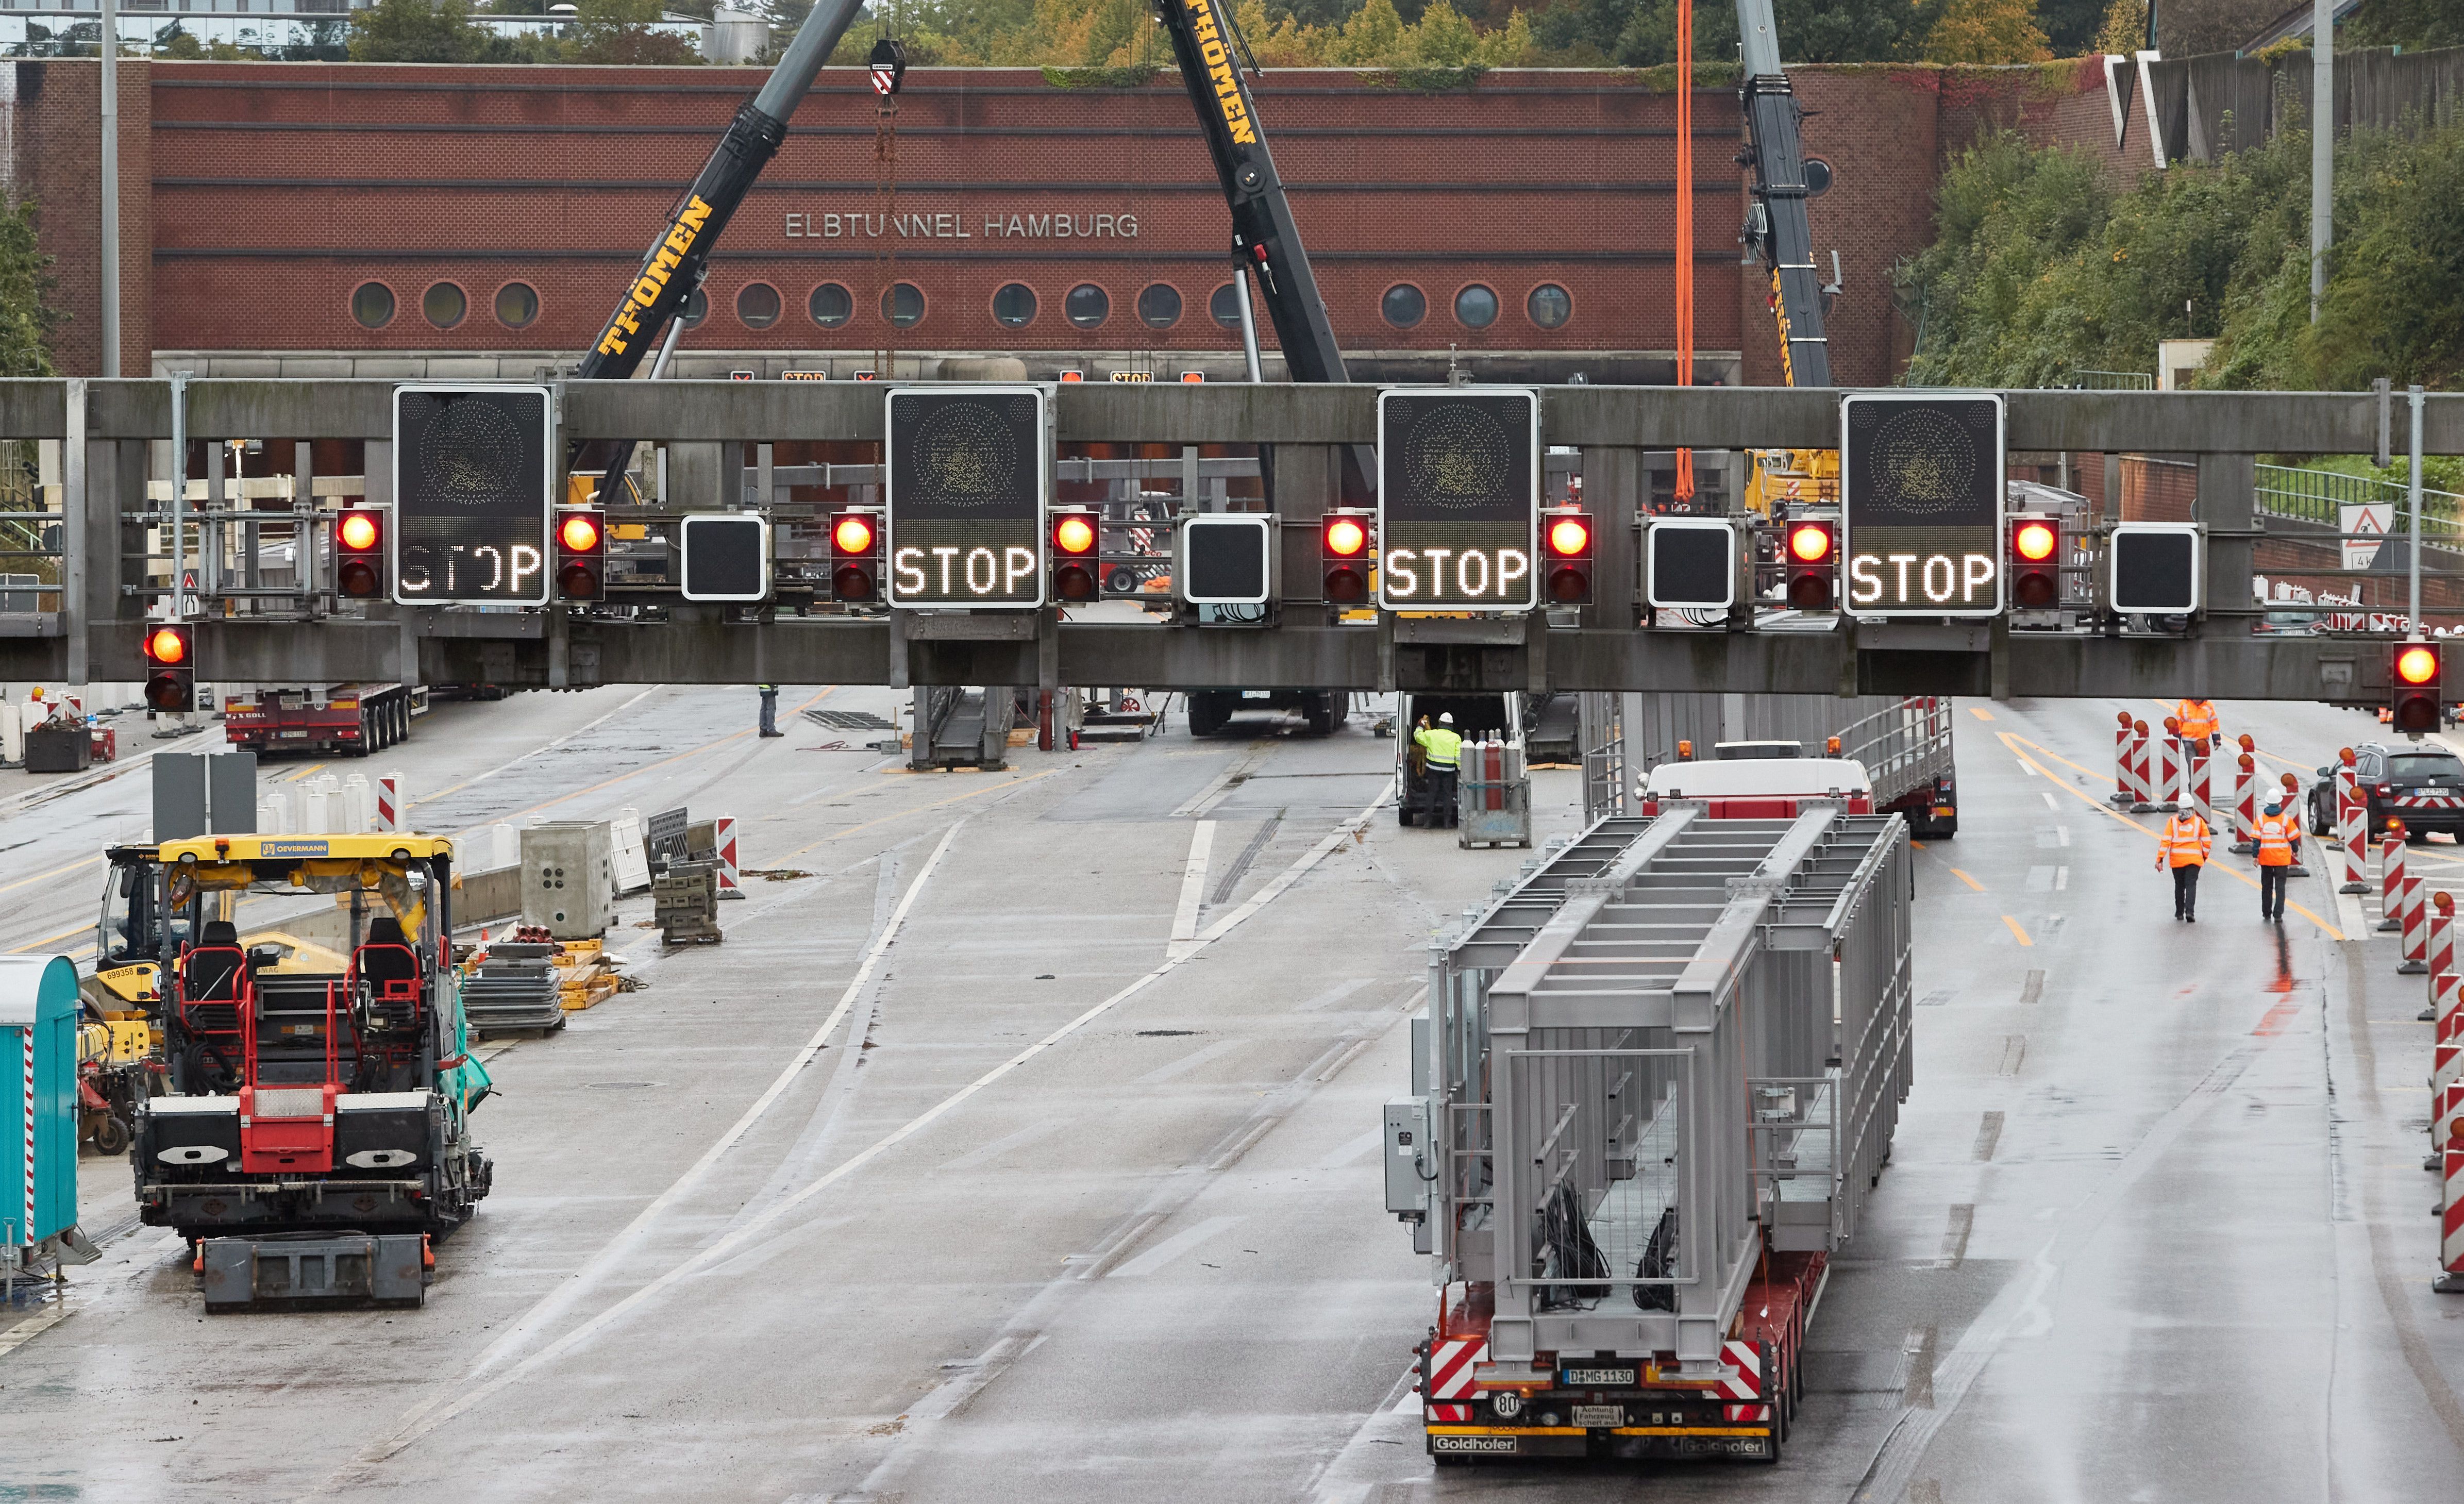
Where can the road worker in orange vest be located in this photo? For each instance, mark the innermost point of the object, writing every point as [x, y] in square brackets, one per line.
[2184, 848]
[2279, 837]
[2198, 718]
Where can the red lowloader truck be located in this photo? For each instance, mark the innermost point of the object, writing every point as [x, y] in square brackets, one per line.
[334, 719]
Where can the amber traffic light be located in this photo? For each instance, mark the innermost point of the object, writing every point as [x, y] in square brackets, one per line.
[1077, 534]
[359, 554]
[582, 554]
[171, 668]
[2415, 678]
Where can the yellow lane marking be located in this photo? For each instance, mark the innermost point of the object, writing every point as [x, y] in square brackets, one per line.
[2016, 930]
[973, 793]
[53, 873]
[1970, 881]
[1980, 712]
[2014, 743]
[303, 772]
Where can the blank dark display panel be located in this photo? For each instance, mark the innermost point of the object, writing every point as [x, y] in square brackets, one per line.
[2155, 572]
[726, 558]
[1226, 560]
[1692, 566]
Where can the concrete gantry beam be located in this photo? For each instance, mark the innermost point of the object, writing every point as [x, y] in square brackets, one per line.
[119, 417]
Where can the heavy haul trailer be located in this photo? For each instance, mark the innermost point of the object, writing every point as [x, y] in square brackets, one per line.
[316, 1136]
[334, 719]
[1903, 742]
[1654, 1082]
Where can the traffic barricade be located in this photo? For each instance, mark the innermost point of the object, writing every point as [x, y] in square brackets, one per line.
[2392, 877]
[2441, 924]
[2451, 1225]
[2125, 787]
[2143, 767]
[729, 883]
[2352, 818]
[2245, 831]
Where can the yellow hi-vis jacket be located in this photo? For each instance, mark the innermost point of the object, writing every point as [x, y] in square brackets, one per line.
[2197, 718]
[1444, 747]
[2184, 842]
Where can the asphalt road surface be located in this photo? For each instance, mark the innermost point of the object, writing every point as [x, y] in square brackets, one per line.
[1019, 1144]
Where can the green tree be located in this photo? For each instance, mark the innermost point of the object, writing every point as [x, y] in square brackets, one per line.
[2409, 24]
[2125, 28]
[2070, 26]
[27, 317]
[1643, 32]
[620, 32]
[1986, 32]
[1444, 39]
[416, 30]
[1373, 37]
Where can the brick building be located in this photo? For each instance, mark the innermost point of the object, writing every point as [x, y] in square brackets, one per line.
[315, 218]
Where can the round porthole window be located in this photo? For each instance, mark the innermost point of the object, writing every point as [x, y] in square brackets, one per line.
[1404, 305]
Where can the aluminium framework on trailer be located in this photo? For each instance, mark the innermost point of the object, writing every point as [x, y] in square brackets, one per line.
[1663, 1066]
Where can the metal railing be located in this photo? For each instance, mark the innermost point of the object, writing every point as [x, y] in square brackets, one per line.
[2320, 496]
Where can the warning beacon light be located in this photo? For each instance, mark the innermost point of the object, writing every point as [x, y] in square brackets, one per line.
[1812, 566]
[1567, 537]
[2415, 678]
[1077, 534]
[359, 554]
[171, 668]
[855, 555]
[1343, 553]
[2035, 562]
[582, 554]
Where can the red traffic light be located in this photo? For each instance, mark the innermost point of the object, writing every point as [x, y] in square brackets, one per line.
[358, 531]
[356, 538]
[581, 550]
[1812, 566]
[1343, 557]
[1073, 533]
[852, 533]
[855, 565]
[1344, 538]
[579, 533]
[167, 647]
[171, 669]
[2035, 540]
[2417, 664]
[1811, 543]
[1570, 535]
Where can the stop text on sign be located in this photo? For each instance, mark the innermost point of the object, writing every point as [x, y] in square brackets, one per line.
[1458, 498]
[965, 494]
[1922, 503]
[950, 571]
[1494, 575]
[1921, 582]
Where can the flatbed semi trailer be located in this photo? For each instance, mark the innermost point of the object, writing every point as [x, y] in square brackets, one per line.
[1654, 1082]
[334, 719]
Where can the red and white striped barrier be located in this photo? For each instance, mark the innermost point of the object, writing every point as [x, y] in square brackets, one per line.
[2195, 791]
[26, 1228]
[391, 813]
[2245, 830]
[723, 836]
[2451, 1224]
[2390, 876]
[2441, 948]
[2125, 788]
[2412, 916]
[2352, 817]
[1740, 1379]
[2291, 799]
[2143, 768]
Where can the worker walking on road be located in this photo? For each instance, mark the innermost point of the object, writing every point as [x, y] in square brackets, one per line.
[770, 710]
[2198, 718]
[2279, 836]
[2184, 848]
[1443, 750]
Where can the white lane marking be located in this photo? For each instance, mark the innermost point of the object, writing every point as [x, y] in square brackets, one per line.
[434, 1412]
[1219, 786]
[31, 1328]
[1172, 1247]
[1189, 1062]
[554, 1303]
[2061, 880]
[1193, 883]
[1333, 995]
[2048, 797]
[2063, 835]
[1350, 1152]
[2032, 770]
[984, 1154]
[972, 1375]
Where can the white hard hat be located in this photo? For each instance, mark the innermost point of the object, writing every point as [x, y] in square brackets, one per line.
[1445, 718]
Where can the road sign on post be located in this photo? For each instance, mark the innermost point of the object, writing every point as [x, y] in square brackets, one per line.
[1921, 486]
[966, 490]
[1458, 498]
[473, 480]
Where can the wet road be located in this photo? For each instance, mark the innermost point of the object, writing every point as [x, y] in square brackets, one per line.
[1021, 1151]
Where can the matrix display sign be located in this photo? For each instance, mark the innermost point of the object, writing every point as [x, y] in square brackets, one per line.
[1458, 498]
[474, 481]
[1921, 487]
[965, 491]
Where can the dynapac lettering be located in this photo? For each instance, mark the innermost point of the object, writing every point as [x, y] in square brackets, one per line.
[682, 233]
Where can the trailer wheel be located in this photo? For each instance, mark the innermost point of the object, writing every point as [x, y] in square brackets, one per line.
[111, 1135]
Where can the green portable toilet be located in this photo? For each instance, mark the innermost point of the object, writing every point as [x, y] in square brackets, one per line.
[39, 1019]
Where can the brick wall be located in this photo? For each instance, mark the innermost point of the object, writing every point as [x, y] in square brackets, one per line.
[54, 136]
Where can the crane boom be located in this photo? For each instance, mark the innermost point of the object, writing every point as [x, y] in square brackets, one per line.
[673, 267]
[1778, 232]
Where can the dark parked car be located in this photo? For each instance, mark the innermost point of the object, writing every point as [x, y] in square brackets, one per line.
[2422, 786]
